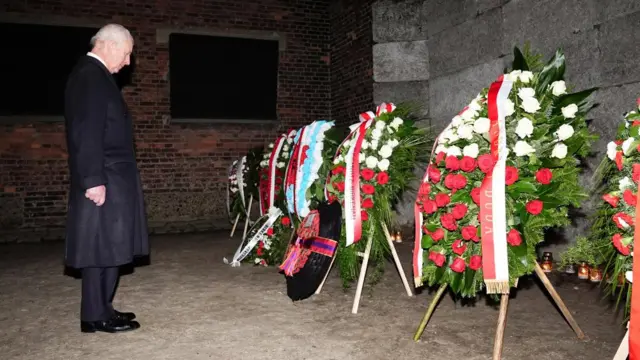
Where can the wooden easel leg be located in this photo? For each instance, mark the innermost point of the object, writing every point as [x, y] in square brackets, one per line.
[502, 323]
[556, 298]
[235, 223]
[246, 221]
[328, 271]
[363, 273]
[429, 313]
[623, 350]
[396, 259]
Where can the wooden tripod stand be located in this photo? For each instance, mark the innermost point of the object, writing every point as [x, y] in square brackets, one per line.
[246, 221]
[502, 316]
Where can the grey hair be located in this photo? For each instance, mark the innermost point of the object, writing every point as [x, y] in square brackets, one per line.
[112, 32]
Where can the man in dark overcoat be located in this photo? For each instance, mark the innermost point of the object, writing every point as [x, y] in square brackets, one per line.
[106, 222]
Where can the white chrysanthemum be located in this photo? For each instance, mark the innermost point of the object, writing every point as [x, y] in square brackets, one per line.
[526, 76]
[465, 132]
[559, 151]
[471, 151]
[626, 145]
[383, 164]
[524, 128]
[570, 111]
[530, 105]
[527, 92]
[522, 148]
[509, 107]
[454, 151]
[482, 125]
[558, 88]
[385, 151]
[564, 132]
[612, 149]
[371, 162]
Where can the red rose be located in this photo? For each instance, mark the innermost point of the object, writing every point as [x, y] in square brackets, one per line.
[437, 235]
[448, 222]
[442, 200]
[368, 189]
[459, 181]
[364, 216]
[513, 238]
[270, 232]
[467, 164]
[459, 211]
[429, 207]
[332, 198]
[470, 233]
[367, 203]
[486, 163]
[622, 248]
[450, 181]
[636, 173]
[425, 189]
[475, 195]
[544, 176]
[452, 163]
[511, 175]
[367, 174]
[434, 174]
[441, 155]
[458, 247]
[259, 252]
[437, 258]
[458, 265]
[612, 200]
[338, 170]
[475, 262]
[534, 207]
[285, 221]
[339, 186]
[382, 178]
[629, 197]
[622, 220]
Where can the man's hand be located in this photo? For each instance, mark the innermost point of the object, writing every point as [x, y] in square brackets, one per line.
[96, 194]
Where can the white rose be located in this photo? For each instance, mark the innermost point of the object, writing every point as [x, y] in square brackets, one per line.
[365, 144]
[383, 164]
[374, 144]
[626, 145]
[469, 114]
[376, 133]
[371, 162]
[624, 183]
[509, 108]
[524, 128]
[396, 122]
[513, 76]
[570, 111]
[612, 149]
[280, 165]
[564, 132]
[454, 151]
[474, 105]
[526, 76]
[558, 88]
[385, 151]
[481, 126]
[393, 143]
[471, 151]
[530, 105]
[522, 148]
[524, 93]
[456, 121]
[559, 151]
[441, 148]
[361, 158]
[465, 132]
[336, 161]
[380, 125]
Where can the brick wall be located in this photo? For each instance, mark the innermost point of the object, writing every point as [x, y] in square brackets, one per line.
[182, 166]
[351, 59]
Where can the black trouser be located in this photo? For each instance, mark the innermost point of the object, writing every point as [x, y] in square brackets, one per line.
[98, 289]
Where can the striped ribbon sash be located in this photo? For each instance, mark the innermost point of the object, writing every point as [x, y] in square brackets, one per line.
[634, 321]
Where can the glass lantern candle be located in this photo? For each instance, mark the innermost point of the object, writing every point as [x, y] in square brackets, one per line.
[583, 271]
[595, 274]
[547, 262]
[398, 237]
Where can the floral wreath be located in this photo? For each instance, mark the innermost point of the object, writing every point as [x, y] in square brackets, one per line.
[518, 143]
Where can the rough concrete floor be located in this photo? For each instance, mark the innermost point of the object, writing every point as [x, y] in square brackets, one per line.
[192, 306]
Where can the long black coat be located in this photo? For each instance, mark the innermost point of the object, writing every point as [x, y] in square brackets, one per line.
[100, 145]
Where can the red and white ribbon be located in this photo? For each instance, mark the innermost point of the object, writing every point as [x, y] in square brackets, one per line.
[634, 312]
[273, 166]
[493, 217]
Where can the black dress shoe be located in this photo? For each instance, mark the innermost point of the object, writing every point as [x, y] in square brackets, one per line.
[126, 316]
[109, 326]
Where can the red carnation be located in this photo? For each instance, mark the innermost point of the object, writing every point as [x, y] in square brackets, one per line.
[612, 200]
[442, 200]
[622, 248]
[285, 221]
[441, 155]
[475, 262]
[475, 195]
[367, 203]
[460, 181]
[544, 176]
[434, 174]
[367, 174]
[339, 185]
[368, 189]
[467, 164]
[486, 163]
[270, 232]
[382, 178]
[513, 238]
[629, 197]
[458, 247]
[622, 220]
[534, 207]
[437, 258]
[429, 207]
[448, 222]
[459, 211]
[338, 170]
[425, 189]
[437, 235]
[364, 215]
[511, 175]
[452, 163]
[470, 233]
[458, 265]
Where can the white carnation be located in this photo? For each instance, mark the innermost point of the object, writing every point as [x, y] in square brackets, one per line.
[383, 164]
[371, 162]
[558, 88]
[523, 148]
[474, 105]
[380, 125]
[524, 128]
[365, 144]
[509, 107]
[570, 111]
[626, 145]
[624, 183]
[465, 132]
[513, 76]
[393, 143]
[526, 76]
[559, 151]
[374, 144]
[376, 133]
[396, 122]
[530, 105]
[524, 93]
[471, 151]
[441, 148]
[564, 132]
[385, 151]
[482, 125]
[469, 114]
[612, 149]
[456, 121]
[454, 151]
